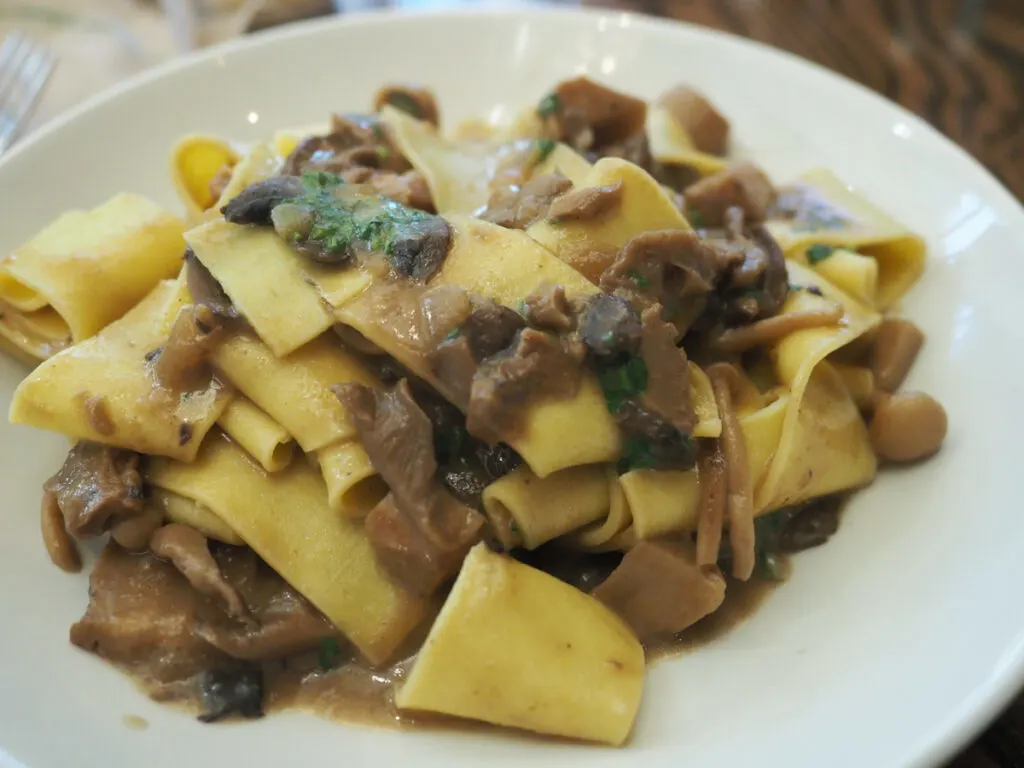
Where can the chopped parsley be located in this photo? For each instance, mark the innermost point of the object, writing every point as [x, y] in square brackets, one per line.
[550, 105]
[640, 280]
[406, 103]
[819, 252]
[341, 223]
[329, 653]
[383, 153]
[696, 219]
[544, 148]
[521, 307]
[453, 334]
[767, 529]
[636, 454]
[623, 381]
[811, 289]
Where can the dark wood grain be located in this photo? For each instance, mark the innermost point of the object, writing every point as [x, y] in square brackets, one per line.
[959, 64]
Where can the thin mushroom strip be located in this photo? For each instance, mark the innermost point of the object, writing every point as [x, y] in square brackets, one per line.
[740, 504]
[714, 488]
[59, 544]
[771, 329]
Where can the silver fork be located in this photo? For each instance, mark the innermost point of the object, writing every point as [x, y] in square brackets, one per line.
[25, 68]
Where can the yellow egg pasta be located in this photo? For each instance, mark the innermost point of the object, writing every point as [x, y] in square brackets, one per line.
[826, 212]
[284, 516]
[84, 271]
[103, 389]
[590, 246]
[196, 160]
[262, 437]
[570, 666]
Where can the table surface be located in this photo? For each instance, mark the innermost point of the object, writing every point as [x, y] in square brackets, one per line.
[959, 64]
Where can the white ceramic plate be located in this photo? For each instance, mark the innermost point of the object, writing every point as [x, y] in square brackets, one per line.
[891, 645]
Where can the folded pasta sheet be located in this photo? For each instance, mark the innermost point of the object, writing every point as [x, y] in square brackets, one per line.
[671, 145]
[353, 485]
[819, 212]
[285, 518]
[649, 503]
[296, 390]
[197, 163]
[460, 173]
[589, 246]
[85, 270]
[104, 389]
[265, 440]
[272, 292]
[568, 666]
[179, 509]
[823, 444]
[527, 511]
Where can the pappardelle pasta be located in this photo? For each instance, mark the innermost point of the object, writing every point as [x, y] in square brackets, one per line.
[421, 424]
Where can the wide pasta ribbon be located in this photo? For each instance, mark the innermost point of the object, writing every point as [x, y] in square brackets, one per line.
[104, 388]
[589, 246]
[83, 271]
[460, 173]
[878, 252]
[286, 519]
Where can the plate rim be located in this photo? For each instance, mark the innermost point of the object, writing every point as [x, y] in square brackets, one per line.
[992, 695]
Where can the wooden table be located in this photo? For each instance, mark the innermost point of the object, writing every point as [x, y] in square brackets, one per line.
[959, 64]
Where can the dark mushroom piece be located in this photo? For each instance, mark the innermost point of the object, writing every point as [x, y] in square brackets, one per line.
[254, 204]
[232, 691]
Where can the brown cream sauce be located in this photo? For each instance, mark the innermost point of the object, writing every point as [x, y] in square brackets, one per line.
[353, 692]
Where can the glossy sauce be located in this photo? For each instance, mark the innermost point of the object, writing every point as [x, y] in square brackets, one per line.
[353, 692]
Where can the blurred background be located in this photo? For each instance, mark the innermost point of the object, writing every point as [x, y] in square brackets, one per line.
[959, 64]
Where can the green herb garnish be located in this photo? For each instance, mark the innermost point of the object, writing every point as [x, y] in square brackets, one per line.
[329, 653]
[767, 529]
[544, 148]
[383, 153]
[636, 454]
[696, 219]
[342, 222]
[640, 280]
[406, 103]
[811, 289]
[521, 307]
[623, 381]
[819, 252]
[549, 105]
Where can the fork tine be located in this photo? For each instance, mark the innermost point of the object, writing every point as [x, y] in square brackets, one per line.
[36, 77]
[16, 48]
[25, 68]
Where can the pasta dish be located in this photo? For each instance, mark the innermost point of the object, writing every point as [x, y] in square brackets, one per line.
[412, 425]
